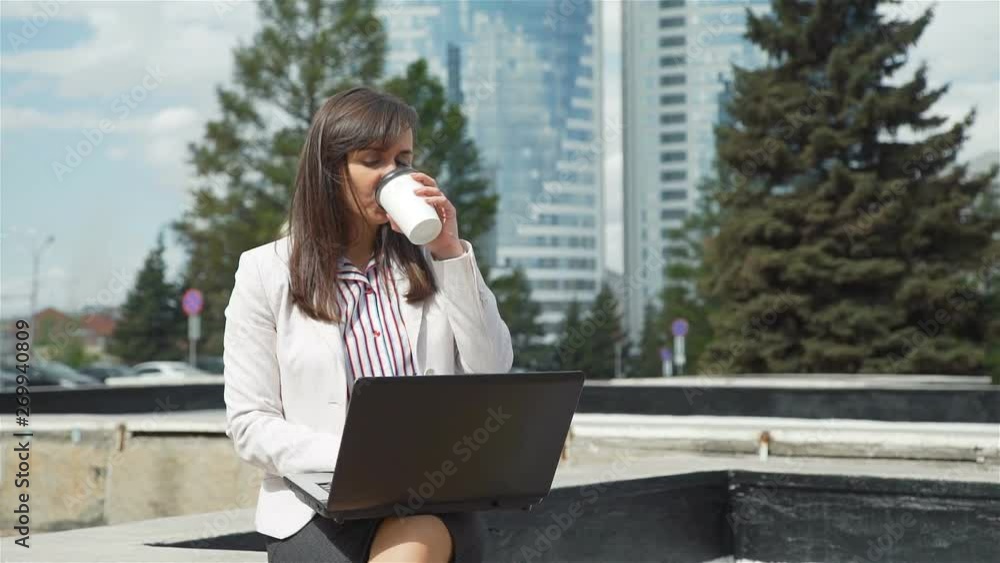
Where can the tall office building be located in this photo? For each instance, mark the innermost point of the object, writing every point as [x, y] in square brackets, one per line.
[678, 57]
[530, 83]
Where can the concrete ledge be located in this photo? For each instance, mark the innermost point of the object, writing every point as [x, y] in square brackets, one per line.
[797, 437]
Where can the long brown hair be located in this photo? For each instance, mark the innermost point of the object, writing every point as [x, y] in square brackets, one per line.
[319, 219]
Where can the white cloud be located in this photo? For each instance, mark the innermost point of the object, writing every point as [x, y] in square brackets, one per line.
[971, 65]
[190, 40]
[169, 132]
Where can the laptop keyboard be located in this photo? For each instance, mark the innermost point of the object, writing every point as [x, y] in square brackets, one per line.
[325, 486]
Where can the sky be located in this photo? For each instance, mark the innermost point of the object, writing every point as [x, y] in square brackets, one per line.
[99, 102]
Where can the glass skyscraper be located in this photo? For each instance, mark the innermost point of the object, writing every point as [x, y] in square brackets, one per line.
[529, 79]
[678, 57]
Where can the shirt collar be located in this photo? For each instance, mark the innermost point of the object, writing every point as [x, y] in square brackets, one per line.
[345, 266]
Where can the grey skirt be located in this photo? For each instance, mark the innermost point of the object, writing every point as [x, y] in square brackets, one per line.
[323, 540]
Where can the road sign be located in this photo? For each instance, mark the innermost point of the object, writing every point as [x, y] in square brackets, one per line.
[665, 354]
[679, 327]
[192, 302]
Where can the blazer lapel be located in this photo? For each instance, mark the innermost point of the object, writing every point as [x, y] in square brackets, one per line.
[333, 338]
[413, 316]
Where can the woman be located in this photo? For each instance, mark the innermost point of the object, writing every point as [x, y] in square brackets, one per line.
[344, 296]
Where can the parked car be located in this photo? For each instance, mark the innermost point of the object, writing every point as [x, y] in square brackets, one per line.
[50, 374]
[8, 380]
[211, 364]
[153, 373]
[104, 371]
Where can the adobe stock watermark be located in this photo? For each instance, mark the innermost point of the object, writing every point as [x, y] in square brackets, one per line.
[884, 545]
[122, 106]
[596, 320]
[958, 300]
[92, 485]
[752, 331]
[885, 199]
[562, 11]
[464, 449]
[65, 333]
[562, 520]
[32, 25]
[751, 507]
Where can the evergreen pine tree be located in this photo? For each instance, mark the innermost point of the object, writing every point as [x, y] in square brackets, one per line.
[520, 312]
[569, 353]
[846, 248]
[647, 362]
[603, 331]
[152, 322]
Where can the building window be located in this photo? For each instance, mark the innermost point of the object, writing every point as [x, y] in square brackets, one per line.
[675, 137]
[578, 284]
[671, 22]
[667, 4]
[673, 156]
[673, 175]
[672, 41]
[672, 214]
[668, 118]
[673, 195]
[672, 79]
[580, 113]
[669, 99]
[677, 60]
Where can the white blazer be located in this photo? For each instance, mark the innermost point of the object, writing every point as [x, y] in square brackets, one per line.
[285, 374]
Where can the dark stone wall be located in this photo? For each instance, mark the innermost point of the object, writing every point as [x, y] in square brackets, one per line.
[968, 403]
[838, 519]
[770, 517]
[979, 403]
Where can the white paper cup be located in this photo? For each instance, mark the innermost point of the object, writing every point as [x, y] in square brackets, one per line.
[416, 218]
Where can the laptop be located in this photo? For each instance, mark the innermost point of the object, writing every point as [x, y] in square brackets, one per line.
[445, 443]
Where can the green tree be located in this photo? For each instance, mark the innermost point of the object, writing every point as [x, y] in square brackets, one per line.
[520, 312]
[58, 339]
[447, 153]
[569, 354]
[152, 323]
[845, 248]
[73, 352]
[647, 362]
[603, 331]
[305, 52]
[684, 295]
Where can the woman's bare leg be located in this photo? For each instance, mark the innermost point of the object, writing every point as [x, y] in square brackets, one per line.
[411, 539]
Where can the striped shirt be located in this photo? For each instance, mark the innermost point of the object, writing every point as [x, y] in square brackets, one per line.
[372, 324]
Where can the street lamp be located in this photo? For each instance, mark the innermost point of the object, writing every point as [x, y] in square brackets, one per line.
[36, 257]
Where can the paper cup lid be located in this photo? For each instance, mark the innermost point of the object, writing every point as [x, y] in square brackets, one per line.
[400, 171]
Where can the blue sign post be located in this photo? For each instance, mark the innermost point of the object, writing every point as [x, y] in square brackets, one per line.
[680, 329]
[192, 302]
[667, 357]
